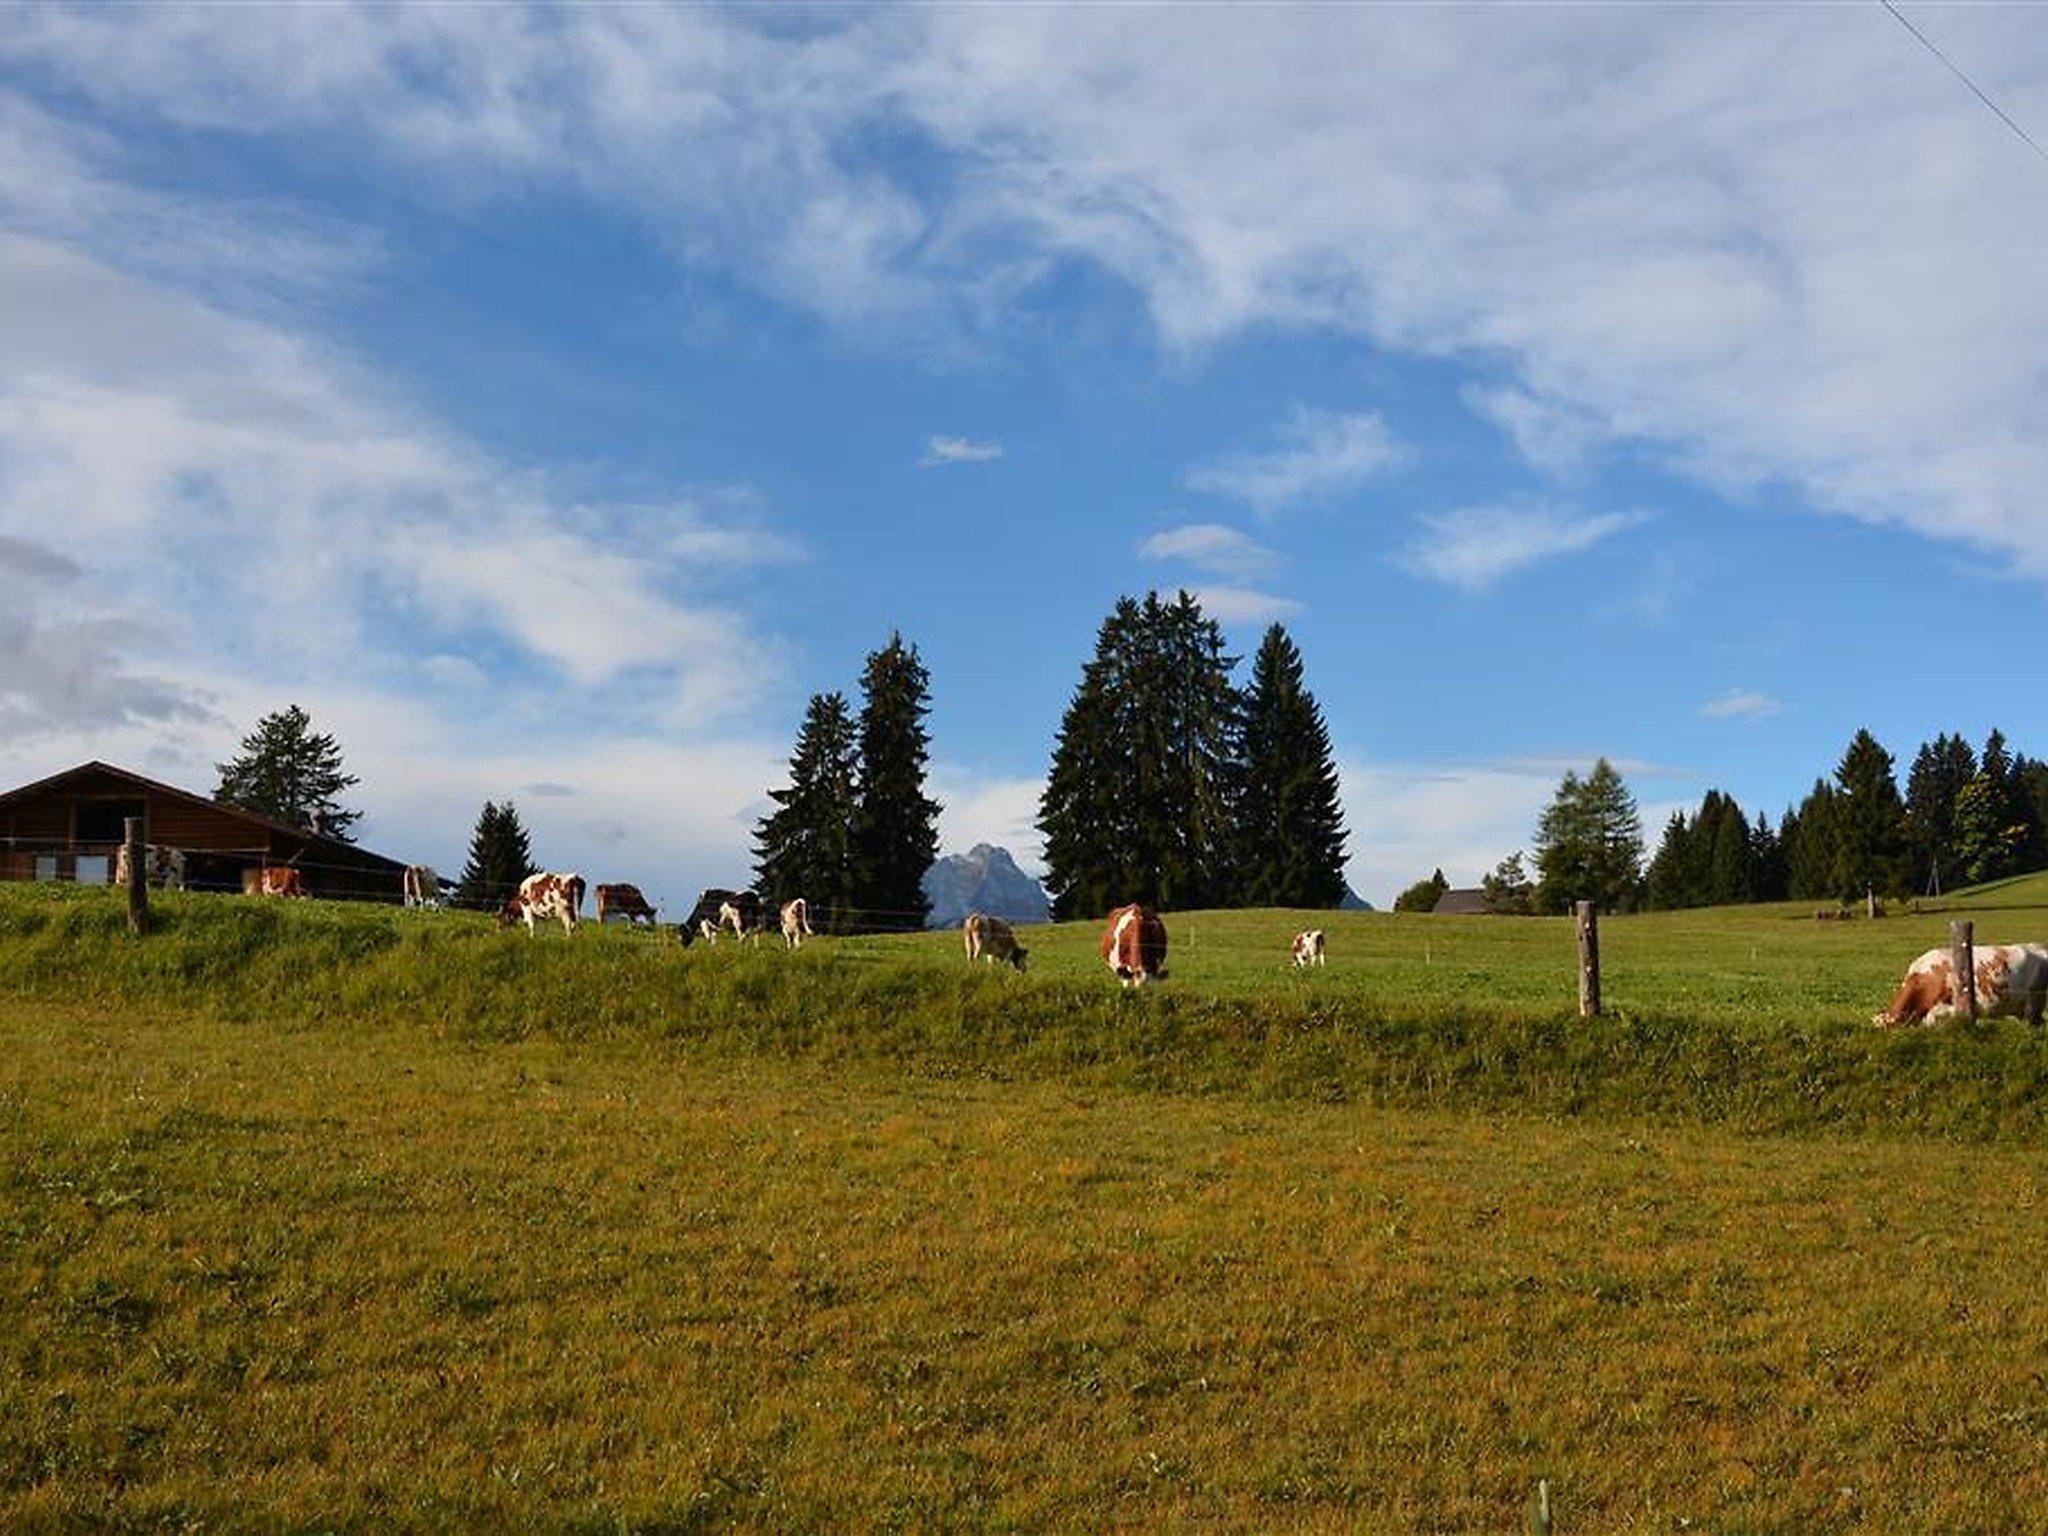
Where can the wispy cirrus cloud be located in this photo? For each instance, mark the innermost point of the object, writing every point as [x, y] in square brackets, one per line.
[1320, 454]
[1214, 548]
[1741, 704]
[1473, 548]
[957, 450]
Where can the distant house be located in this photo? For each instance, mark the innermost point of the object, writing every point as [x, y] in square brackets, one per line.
[1466, 903]
[68, 826]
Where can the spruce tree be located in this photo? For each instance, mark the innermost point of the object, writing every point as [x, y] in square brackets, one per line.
[1940, 770]
[1668, 885]
[289, 774]
[1290, 830]
[1589, 844]
[895, 826]
[1811, 849]
[1871, 850]
[1731, 863]
[805, 846]
[499, 858]
[1142, 799]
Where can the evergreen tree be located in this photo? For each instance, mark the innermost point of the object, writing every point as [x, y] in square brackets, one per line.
[1767, 857]
[1142, 800]
[895, 828]
[1508, 891]
[1810, 847]
[499, 858]
[1871, 851]
[1668, 886]
[1940, 770]
[2030, 784]
[1290, 830]
[1589, 844]
[1423, 895]
[289, 774]
[1987, 840]
[1731, 865]
[1999, 770]
[805, 846]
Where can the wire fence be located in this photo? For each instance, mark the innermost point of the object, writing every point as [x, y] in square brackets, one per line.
[31, 860]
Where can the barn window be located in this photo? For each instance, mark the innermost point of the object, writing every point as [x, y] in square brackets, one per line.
[103, 821]
[91, 869]
[46, 866]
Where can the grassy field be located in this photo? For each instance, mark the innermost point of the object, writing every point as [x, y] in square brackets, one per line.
[319, 1217]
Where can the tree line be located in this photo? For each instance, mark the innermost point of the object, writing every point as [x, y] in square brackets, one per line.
[1965, 817]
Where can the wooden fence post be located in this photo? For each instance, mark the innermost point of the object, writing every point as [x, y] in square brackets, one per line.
[138, 875]
[1962, 960]
[1589, 960]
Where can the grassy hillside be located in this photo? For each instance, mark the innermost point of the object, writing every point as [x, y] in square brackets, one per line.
[1754, 1016]
[382, 1279]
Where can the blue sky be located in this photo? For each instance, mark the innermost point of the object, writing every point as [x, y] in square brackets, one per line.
[551, 400]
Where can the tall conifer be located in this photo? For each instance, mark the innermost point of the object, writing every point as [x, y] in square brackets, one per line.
[804, 847]
[500, 856]
[895, 828]
[1290, 822]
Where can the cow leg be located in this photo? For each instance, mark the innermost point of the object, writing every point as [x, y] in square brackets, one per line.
[2034, 1002]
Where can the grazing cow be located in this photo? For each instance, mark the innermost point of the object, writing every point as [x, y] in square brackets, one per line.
[990, 939]
[745, 914]
[544, 896]
[1134, 945]
[622, 901]
[1308, 948]
[422, 887]
[163, 868]
[2012, 981]
[796, 923]
[274, 880]
[702, 923]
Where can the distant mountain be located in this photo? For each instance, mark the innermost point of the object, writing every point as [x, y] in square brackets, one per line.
[983, 879]
[1353, 902]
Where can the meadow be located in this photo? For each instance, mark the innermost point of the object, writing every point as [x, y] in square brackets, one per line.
[335, 1218]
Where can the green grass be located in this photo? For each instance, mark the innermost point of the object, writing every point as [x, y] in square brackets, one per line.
[320, 1217]
[1756, 1018]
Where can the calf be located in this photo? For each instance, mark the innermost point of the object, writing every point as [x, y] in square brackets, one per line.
[2012, 981]
[991, 939]
[274, 880]
[1308, 948]
[421, 886]
[702, 923]
[796, 923]
[1134, 945]
[622, 901]
[745, 914]
[543, 896]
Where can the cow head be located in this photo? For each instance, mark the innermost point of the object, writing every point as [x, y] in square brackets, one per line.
[510, 913]
[1018, 955]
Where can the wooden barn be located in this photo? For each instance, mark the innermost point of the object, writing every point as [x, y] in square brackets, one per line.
[68, 827]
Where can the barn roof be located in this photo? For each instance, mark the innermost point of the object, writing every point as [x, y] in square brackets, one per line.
[1465, 903]
[320, 840]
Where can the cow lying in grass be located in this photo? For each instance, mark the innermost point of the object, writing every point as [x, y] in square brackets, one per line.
[2012, 981]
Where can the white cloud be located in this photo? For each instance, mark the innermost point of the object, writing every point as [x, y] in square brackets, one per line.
[1321, 454]
[1475, 547]
[1554, 437]
[1242, 605]
[1741, 704]
[957, 450]
[1214, 548]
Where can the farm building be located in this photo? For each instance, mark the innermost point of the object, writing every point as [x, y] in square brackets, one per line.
[1461, 903]
[68, 827]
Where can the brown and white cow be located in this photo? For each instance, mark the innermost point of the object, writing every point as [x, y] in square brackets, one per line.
[2012, 982]
[274, 880]
[163, 868]
[1134, 945]
[991, 939]
[622, 901]
[421, 886]
[1308, 947]
[745, 915]
[796, 923]
[543, 896]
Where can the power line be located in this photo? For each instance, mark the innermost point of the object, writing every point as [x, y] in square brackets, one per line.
[1928, 43]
